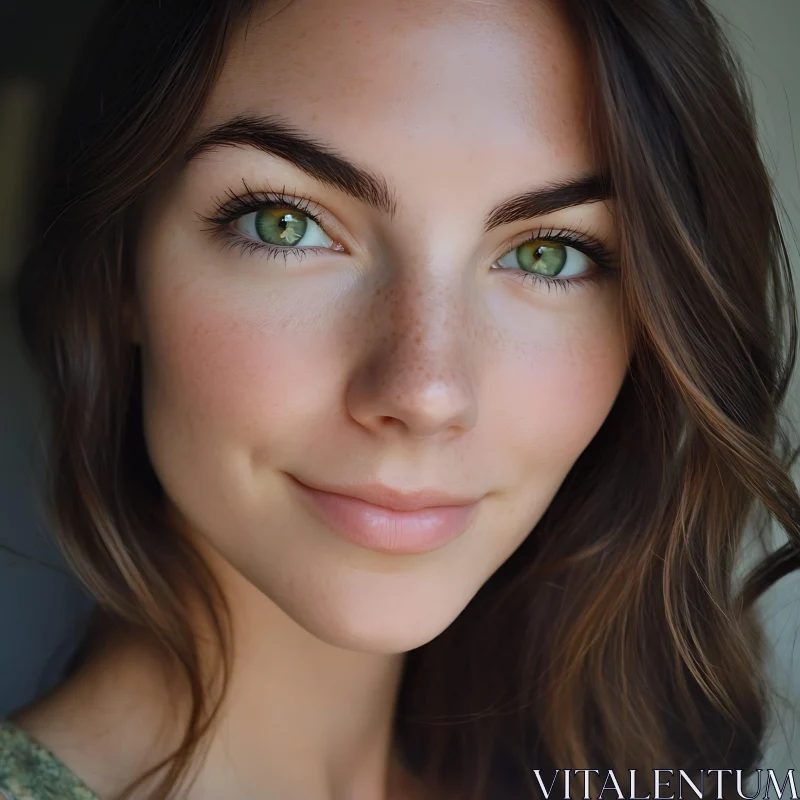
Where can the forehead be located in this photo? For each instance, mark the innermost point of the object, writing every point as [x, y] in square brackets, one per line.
[447, 81]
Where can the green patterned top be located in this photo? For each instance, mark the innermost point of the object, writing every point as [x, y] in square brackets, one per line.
[28, 771]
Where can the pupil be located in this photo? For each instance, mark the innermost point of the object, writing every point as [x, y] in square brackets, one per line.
[281, 226]
[547, 259]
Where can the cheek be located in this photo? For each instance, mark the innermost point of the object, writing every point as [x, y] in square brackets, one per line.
[218, 375]
[217, 367]
[233, 380]
[558, 385]
[230, 391]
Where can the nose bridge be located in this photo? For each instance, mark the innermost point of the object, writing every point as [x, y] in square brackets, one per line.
[419, 369]
[426, 317]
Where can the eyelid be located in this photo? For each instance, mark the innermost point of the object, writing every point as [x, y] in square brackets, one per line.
[603, 257]
[251, 201]
[595, 247]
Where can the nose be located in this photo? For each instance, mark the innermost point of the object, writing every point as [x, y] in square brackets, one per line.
[416, 377]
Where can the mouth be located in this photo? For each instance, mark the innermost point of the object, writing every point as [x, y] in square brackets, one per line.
[385, 520]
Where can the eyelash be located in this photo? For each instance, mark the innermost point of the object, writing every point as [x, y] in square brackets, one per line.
[228, 211]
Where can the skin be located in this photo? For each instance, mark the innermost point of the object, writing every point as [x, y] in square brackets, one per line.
[402, 359]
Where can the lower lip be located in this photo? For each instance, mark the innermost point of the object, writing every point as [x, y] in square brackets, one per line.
[385, 530]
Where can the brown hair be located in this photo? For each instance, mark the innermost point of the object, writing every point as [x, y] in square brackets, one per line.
[616, 636]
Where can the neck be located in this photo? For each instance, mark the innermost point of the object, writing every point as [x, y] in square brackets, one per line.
[300, 718]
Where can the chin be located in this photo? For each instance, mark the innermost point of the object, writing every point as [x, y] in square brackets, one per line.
[369, 611]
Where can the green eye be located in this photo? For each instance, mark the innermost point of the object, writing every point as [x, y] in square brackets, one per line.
[281, 226]
[541, 256]
[284, 227]
[547, 257]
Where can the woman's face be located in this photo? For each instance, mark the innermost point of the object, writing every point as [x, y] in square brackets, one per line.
[414, 340]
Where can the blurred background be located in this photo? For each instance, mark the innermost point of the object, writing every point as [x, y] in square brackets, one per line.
[42, 607]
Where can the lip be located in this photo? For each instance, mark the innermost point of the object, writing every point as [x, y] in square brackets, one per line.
[379, 518]
[377, 494]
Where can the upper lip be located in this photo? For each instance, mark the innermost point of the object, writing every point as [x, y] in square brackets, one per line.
[380, 495]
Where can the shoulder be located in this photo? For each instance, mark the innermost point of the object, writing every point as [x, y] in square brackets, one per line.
[28, 771]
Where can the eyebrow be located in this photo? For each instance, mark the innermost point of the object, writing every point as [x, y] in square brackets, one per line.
[276, 136]
[551, 198]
